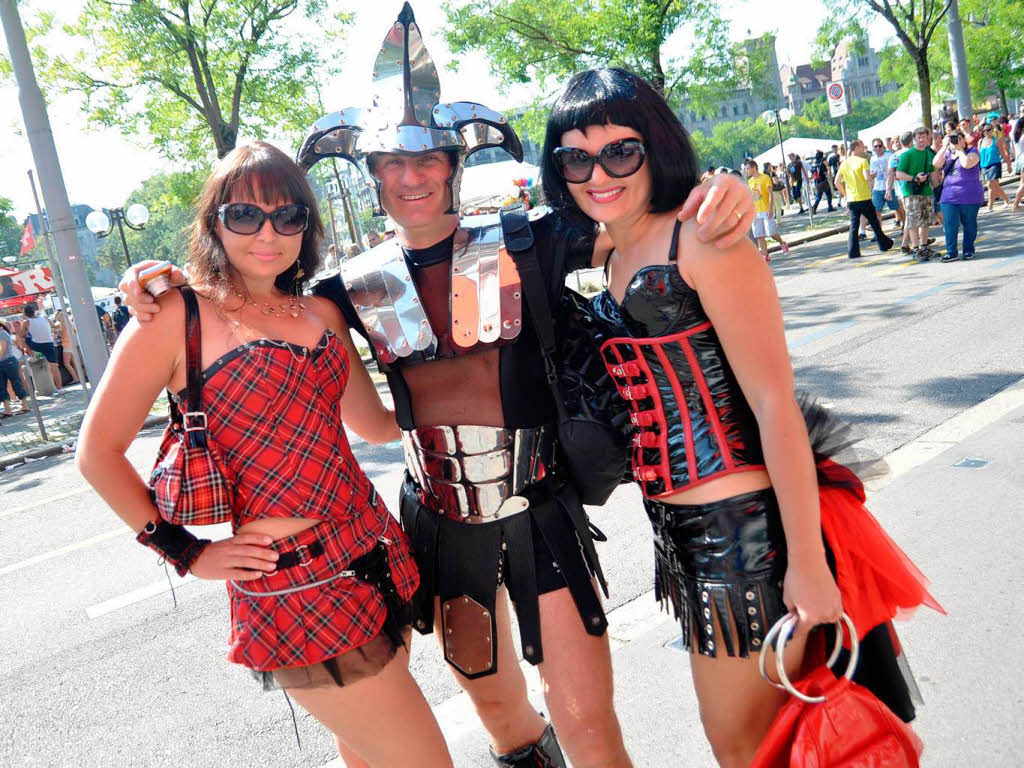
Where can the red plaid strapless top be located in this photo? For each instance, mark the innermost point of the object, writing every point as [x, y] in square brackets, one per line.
[272, 407]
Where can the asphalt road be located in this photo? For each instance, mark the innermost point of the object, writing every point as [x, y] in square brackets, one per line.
[99, 669]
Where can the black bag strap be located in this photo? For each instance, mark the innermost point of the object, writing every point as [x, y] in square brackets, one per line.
[518, 236]
[193, 419]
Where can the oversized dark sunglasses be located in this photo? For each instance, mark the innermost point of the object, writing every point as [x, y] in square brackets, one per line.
[247, 219]
[619, 159]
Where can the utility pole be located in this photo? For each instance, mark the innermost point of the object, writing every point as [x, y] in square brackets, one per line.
[55, 195]
[958, 59]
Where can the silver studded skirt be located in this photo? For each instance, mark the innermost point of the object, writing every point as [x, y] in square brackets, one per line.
[720, 566]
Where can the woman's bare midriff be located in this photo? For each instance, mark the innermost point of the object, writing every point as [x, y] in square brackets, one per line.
[278, 527]
[721, 488]
[460, 390]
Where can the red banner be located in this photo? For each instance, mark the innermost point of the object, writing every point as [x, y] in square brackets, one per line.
[28, 238]
[17, 302]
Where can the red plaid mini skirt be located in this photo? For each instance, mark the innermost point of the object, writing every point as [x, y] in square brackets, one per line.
[317, 611]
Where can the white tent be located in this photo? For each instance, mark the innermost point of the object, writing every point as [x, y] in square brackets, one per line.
[491, 182]
[906, 117]
[803, 147]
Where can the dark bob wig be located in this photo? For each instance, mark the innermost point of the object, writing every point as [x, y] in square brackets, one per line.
[618, 97]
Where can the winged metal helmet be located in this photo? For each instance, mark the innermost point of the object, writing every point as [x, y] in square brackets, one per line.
[407, 117]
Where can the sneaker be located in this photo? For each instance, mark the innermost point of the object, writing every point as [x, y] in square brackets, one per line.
[968, 256]
[949, 257]
[916, 254]
[861, 236]
[784, 247]
[905, 248]
[887, 245]
[930, 241]
[925, 254]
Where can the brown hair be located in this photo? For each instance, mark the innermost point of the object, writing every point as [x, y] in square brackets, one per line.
[262, 172]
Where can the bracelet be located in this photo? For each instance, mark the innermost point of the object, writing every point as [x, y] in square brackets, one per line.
[173, 543]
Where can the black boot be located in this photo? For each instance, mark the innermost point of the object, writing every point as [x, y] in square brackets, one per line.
[544, 754]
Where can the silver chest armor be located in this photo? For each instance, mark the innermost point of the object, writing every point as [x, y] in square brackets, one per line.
[486, 297]
[473, 473]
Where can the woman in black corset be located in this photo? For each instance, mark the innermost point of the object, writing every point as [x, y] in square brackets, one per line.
[738, 499]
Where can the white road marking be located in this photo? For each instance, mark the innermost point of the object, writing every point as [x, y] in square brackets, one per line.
[43, 502]
[137, 595]
[63, 550]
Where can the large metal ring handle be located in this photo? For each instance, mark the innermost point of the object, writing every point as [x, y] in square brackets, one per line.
[780, 634]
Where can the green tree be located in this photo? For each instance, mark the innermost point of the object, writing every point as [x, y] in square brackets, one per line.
[10, 232]
[914, 22]
[170, 198]
[191, 74]
[863, 113]
[995, 59]
[546, 42]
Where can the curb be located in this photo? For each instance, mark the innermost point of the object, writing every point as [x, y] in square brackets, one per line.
[64, 446]
[822, 234]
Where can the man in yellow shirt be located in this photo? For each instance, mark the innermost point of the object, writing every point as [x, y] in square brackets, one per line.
[765, 224]
[855, 180]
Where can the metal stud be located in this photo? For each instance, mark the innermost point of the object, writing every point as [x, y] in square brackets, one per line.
[711, 645]
[756, 641]
[448, 631]
[421, 624]
[704, 595]
[487, 614]
[595, 620]
[707, 613]
[755, 626]
[709, 628]
[750, 595]
[528, 650]
[752, 611]
[516, 295]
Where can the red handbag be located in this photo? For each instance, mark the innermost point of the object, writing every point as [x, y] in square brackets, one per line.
[191, 483]
[832, 722]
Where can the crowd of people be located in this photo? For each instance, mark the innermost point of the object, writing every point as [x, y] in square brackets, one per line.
[925, 177]
[33, 333]
[325, 587]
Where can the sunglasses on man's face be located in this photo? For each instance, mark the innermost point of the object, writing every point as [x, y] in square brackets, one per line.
[247, 219]
[618, 159]
[879, 146]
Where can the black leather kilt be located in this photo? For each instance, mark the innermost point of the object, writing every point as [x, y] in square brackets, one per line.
[548, 546]
[721, 566]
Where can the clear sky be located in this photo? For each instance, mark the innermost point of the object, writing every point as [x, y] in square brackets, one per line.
[102, 168]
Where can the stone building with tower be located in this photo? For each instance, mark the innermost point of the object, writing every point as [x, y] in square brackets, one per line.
[858, 71]
[748, 101]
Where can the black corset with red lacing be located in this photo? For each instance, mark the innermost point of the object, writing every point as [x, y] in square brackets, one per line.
[693, 421]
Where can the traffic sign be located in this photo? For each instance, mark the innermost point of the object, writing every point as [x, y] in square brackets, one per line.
[837, 102]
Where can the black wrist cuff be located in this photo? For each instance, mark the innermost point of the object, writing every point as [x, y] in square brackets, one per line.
[173, 543]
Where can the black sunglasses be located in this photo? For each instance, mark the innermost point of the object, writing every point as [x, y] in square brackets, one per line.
[618, 159]
[247, 219]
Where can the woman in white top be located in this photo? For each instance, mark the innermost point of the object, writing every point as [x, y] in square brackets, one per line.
[39, 337]
[10, 375]
[1018, 163]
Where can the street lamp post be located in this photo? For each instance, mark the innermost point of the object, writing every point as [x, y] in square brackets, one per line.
[101, 223]
[777, 116]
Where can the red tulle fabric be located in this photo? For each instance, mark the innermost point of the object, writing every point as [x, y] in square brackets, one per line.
[876, 578]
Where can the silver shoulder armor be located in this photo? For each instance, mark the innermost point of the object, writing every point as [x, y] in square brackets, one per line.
[384, 296]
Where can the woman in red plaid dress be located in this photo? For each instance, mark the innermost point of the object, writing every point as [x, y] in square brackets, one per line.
[318, 572]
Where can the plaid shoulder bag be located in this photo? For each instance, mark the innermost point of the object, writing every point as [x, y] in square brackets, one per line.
[191, 483]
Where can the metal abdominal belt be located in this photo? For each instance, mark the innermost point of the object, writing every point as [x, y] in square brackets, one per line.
[473, 473]
[486, 297]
